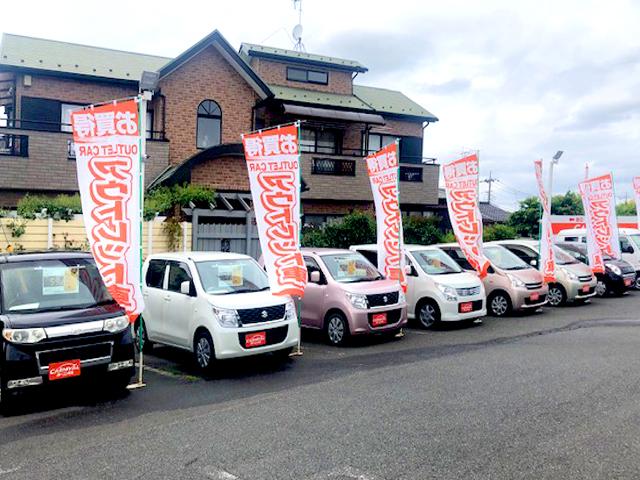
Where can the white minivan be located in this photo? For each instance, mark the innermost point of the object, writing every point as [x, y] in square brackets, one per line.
[629, 245]
[438, 289]
[216, 305]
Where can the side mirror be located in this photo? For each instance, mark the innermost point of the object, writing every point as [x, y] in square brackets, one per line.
[409, 270]
[533, 262]
[314, 277]
[491, 270]
[186, 288]
[627, 249]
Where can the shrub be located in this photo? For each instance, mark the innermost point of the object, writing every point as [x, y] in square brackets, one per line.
[61, 207]
[422, 230]
[352, 229]
[498, 231]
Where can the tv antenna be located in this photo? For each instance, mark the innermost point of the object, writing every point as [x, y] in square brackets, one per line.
[297, 30]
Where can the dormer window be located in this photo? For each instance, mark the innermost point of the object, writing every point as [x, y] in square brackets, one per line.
[307, 76]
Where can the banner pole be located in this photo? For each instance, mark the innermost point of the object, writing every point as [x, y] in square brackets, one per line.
[401, 273]
[298, 351]
[142, 130]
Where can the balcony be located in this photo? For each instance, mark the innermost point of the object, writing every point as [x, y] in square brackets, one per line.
[41, 160]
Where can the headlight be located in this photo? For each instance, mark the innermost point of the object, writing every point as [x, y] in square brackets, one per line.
[358, 300]
[401, 297]
[570, 275]
[24, 335]
[449, 293]
[614, 268]
[117, 324]
[226, 317]
[290, 311]
[515, 281]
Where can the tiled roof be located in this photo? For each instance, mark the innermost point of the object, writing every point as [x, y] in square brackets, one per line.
[250, 49]
[55, 56]
[391, 101]
[314, 97]
[493, 213]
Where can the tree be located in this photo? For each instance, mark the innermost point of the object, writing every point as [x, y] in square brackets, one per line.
[422, 230]
[568, 204]
[525, 221]
[626, 208]
[499, 231]
[353, 229]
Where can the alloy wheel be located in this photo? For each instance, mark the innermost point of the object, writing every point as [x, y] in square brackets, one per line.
[335, 329]
[499, 305]
[601, 288]
[555, 296]
[428, 315]
[636, 284]
[203, 352]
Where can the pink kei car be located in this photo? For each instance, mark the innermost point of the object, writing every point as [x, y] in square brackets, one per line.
[346, 296]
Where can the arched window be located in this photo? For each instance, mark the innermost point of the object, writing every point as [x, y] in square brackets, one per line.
[209, 128]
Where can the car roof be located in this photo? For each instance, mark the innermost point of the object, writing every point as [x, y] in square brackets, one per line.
[35, 256]
[197, 256]
[410, 247]
[325, 251]
[516, 241]
[572, 245]
[629, 231]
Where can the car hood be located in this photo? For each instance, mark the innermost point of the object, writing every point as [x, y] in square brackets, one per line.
[625, 266]
[241, 301]
[579, 269]
[458, 280]
[63, 317]
[376, 286]
[530, 275]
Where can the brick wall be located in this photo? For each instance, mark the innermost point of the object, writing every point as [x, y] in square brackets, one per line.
[225, 173]
[207, 76]
[399, 127]
[276, 73]
[311, 207]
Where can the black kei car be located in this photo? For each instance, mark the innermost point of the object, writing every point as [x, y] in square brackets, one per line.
[58, 321]
[618, 277]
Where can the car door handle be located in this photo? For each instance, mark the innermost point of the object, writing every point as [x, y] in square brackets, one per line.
[167, 298]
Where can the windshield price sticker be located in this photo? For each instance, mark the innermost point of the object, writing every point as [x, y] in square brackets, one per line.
[60, 280]
[230, 275]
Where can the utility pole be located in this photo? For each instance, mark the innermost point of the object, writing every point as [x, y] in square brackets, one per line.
[489, 180]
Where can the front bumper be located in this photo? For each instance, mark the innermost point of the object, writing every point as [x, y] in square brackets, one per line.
[620, 283]
[99, 354]
[524, 299]
[230, 342]
[451, 311]
[360, 321]
[575, 289]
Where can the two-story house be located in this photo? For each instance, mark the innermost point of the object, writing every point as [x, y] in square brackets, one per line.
[206, 98]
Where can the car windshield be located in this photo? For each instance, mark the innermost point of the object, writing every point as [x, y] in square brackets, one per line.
[504, 259]
[242, 275]
[435, 262]
[350, 268]
[635, 238]
[562, 257]
[48, 285]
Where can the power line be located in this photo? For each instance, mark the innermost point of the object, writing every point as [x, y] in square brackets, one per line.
[490, 181]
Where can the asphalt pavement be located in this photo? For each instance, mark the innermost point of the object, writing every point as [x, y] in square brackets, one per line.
[548, 395]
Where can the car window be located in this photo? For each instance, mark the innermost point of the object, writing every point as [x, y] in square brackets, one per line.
[504, 259]
[350, 268]
[312, 266]
[155, 273]
[570, 239]
[436, 262]
[371, 255]
[231, 276]
[178, 273]
[459, 257]
[625, 245]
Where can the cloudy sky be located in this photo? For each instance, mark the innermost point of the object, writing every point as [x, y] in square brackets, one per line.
[515, 80]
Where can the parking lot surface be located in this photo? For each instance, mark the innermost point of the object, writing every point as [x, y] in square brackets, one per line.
[547, 395]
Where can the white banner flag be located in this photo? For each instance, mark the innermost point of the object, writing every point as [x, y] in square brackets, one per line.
[547, 260]
[383, 173]
[107, 144]
[273, 163]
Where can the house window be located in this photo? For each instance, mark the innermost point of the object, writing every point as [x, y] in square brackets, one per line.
[209, 127]
[320, 141]
[65, 115]
[149, 134]
[377, 141]
[307, 76]
[410, 148]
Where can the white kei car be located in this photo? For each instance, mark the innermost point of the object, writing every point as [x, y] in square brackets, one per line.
[216, 305]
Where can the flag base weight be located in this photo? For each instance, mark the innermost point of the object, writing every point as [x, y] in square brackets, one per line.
[135, 386]
[400, 334]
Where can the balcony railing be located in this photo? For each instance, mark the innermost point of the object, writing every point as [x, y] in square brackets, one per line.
[44, 126]
[14, 145]
[361, 153]
[333, 166]
[410, 174]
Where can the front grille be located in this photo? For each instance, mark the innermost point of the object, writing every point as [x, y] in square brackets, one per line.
[533, 286]
[263, 314]
[81, 352]
[274, 335]
[589, 292]
[628, 269]
[382, 299]
[585, 278]
[475, 306]
[540, 299]
[393, 316]
[468, 292]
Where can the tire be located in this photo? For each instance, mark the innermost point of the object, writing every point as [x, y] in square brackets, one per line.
[337, 329]
[636, 284]
[499, 304]
[147, 346]
[427, 314]
[556, 296]
[601, 289]
[204, 351]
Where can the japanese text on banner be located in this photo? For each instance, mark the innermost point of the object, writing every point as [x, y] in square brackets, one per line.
[383, 174]
[461, 185]
[107, 145]
[273, 165]
[547, 259]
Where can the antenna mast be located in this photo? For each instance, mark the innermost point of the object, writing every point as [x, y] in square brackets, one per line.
[297, 30]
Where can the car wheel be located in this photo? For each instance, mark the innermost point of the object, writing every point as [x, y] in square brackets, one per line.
[601, 288]
[499, 305]
[203, 351]
[556, 295]
[636, 284]
[147, 346]
[428, 314]
[337, 329]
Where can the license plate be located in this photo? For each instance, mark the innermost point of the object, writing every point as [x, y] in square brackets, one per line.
[585, 289]
[255, 339]
[466, 307]
[627, 282]
[379, 319]
[60, 370]
[534, 297]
